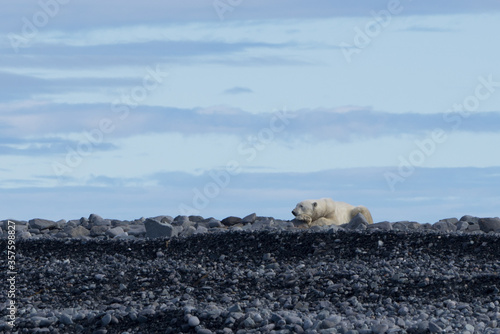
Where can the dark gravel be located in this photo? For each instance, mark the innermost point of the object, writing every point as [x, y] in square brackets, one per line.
[368, 281]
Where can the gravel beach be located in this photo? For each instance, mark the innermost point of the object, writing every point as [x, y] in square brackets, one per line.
[253, 275]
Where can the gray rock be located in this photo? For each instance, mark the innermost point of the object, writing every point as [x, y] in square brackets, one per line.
[406, 225]
[163, 219]
[448, 220]
[196, 219]
[250, 219]
[96, 220]
[385, 226]
[77, 232]
[105, 320]
[462, 225]
[489, 224]
[193, 321]
[469, 219]
[358, 222]
[136, 230]
[214, 223]
[180, 220]
[65, 319]
[42, 224]
[201, 229]
[96, 231]
[434, 328]
[156, 229]
[380, 328]
[188, 231]
[231, 221]
[116, 231]
[445, 226]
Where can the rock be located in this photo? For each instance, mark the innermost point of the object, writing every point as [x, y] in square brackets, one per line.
[434, 328]
[448, 220]
[469, 219]
[380, 328]
[250, 219]
[201, 230]
[65, 319]
[180, 220]
[193, 321]
[96, 231]
[96, 220]
[136, 230]
[116, 231]
[42, 224]
[358, 222]
[489, 224]
[78, 232]
[156, 229]
[385, 226]
[462, 225]
[214, 223]
[163, 219]
[406, 225]
[445, 226]
[106, 319]
[231, 221]
[196, 219]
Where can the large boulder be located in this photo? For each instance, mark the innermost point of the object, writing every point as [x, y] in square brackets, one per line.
[155, 229]
[489, 224]
[42, 224]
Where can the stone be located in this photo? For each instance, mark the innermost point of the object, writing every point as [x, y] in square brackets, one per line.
[65, 319]
[106, 319]
[380, 328]
[469, 219]
[462, 225]
[78, 232]
[358, 222]
[193, 321]
[196, 219]
[42, 224]
[445, 226]
[155, 229]
[231, 221]
[250, 219]
[448, 220]
[96, 231]
[385, 226]
[214, 223]
[489, 224]
[180, 220]
[116, 231]
[96, 220]
[434, 328]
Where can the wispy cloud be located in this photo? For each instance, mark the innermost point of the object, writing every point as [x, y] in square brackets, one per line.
[342, 124]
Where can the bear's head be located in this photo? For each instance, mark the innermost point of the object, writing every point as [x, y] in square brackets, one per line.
[305, 211]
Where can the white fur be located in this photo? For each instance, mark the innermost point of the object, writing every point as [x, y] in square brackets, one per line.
[326, 211]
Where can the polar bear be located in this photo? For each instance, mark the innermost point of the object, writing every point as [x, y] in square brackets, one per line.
[325, 211]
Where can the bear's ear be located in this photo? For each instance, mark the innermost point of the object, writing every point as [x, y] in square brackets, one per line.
[315, 204]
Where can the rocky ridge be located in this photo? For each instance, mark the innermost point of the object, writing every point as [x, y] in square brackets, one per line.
[254, 275]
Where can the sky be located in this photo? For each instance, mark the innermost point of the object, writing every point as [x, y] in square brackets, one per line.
[228, 107]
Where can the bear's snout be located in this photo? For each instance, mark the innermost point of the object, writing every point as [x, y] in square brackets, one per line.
[293, 213]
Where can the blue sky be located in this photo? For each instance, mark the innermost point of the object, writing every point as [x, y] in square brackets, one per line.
[222, 108]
